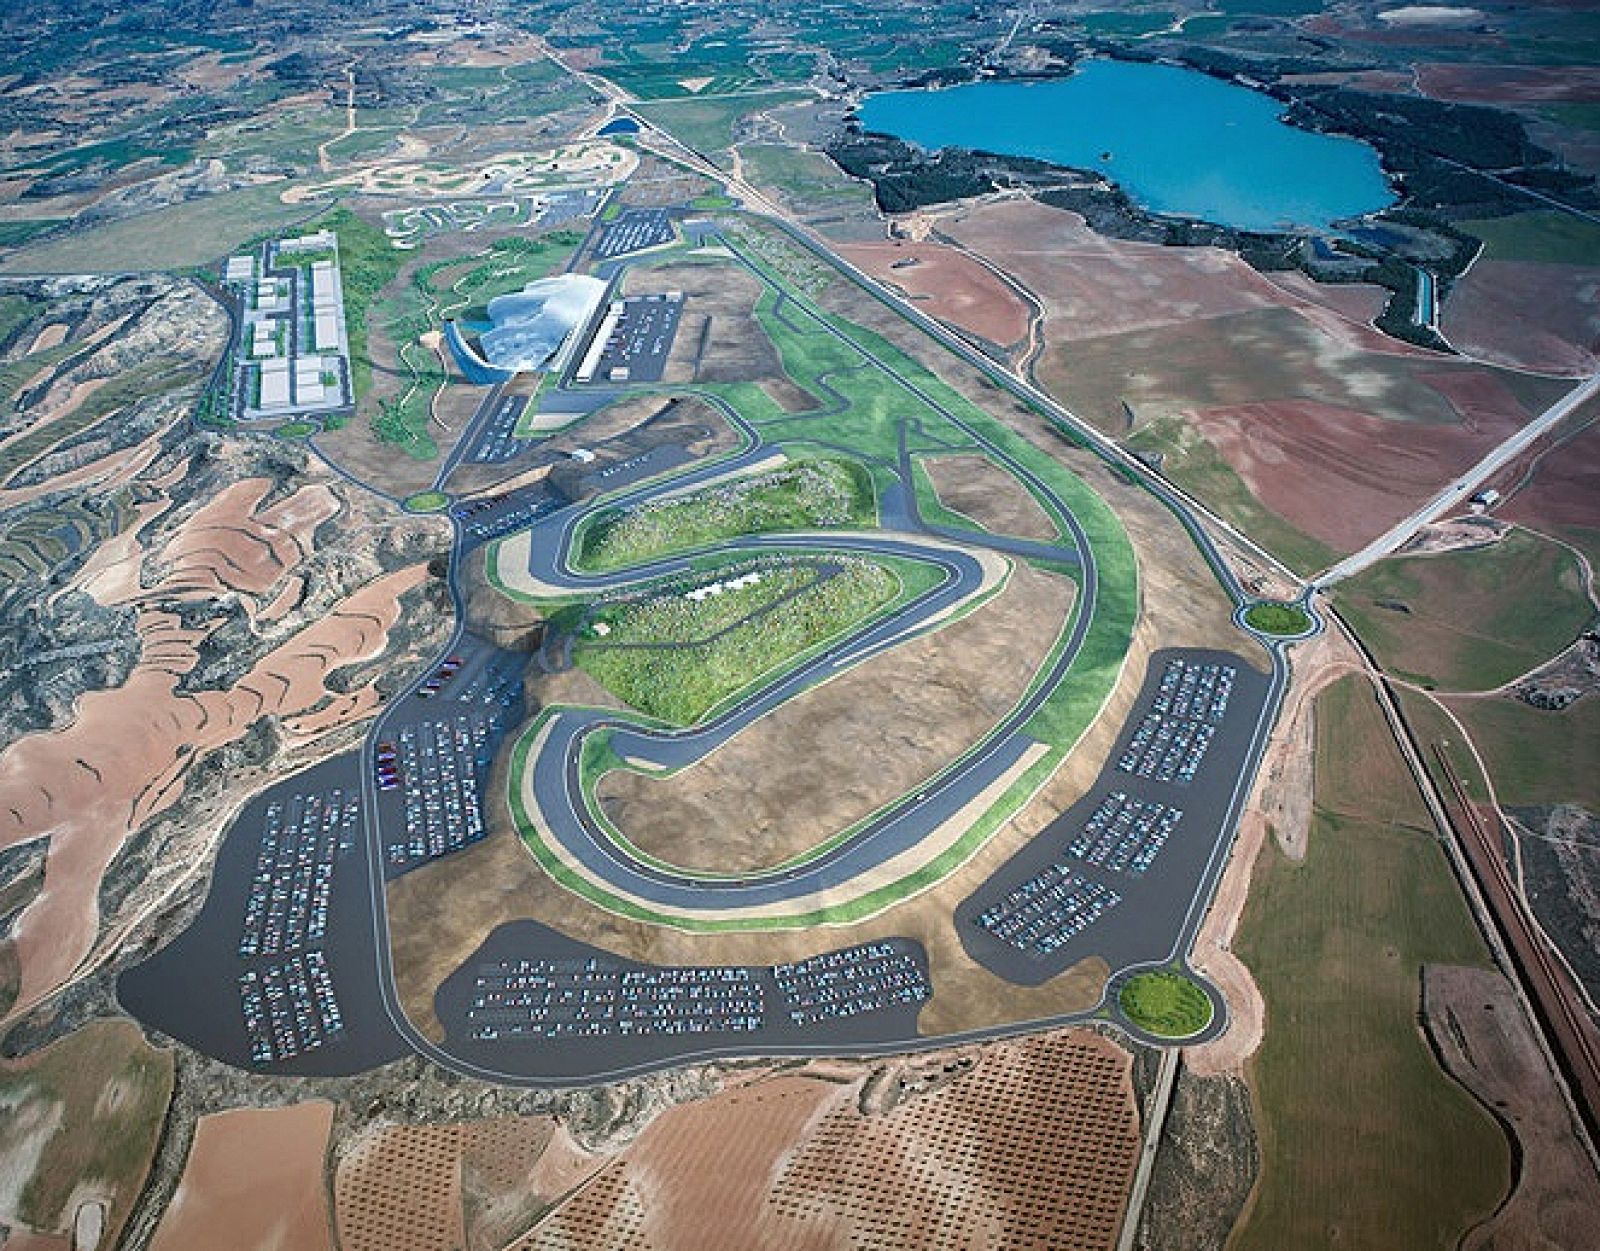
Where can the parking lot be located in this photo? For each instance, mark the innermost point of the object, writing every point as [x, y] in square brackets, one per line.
[431, 769]
[1049, 908]
[1116, 874]
[497, 515]
[1171, 741]
[555, 999]
[498, 442]
[1125, 834]
[637, 345]
[634, 231]
[840, 984]
[300, 837]
[533, 1000]
[289, 1008]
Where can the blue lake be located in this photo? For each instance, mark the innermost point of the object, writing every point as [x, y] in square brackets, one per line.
[1177, 141]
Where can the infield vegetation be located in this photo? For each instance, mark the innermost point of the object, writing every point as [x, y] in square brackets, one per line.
[676, 659]
[807, 495]
[1286, 620]
[1168, 1004]
[1336, 943]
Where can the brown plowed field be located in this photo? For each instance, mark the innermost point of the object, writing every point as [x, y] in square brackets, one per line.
[1563, 494]
[1510, 84]
[1334, 473]
[1530, 316]
[1017, 1145]
[1091, 285]
[946, 284]
[253, 1182]
[1300, 407]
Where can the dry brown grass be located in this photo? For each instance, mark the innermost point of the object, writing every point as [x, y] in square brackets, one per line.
[976, 487]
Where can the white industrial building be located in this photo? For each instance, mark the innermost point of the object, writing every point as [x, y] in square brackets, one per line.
[274, 384]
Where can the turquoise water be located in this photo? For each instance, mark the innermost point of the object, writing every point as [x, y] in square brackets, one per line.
[1177, 141]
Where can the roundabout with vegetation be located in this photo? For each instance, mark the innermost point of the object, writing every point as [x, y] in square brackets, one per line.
[1165, 1004]
[1278, 619]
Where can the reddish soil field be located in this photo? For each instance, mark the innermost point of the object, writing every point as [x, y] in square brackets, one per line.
[1336, 474]
[1529, 316]
[1510, 84]
[253, 1182]
[946, 284]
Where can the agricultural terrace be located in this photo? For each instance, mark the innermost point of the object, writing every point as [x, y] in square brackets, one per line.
[808, 495]
[1167, 1004]
[677, 655]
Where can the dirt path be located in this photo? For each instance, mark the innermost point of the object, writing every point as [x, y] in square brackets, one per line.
[1280, 805]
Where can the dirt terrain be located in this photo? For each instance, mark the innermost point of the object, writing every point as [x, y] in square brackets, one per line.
[121, 763]
[1527, 316]
[947, 284]
[1023, 1144]
[1478, 1028]
[718, 337]
[829, 758]
[254, 1182]
[977, 488]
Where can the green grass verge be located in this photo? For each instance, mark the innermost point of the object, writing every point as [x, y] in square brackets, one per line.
[805, 495]
[368, 262]
[1270, 617]
[183, 236]
[1336, 943]
[426, 502]
[1166, 1004]
[708, 125]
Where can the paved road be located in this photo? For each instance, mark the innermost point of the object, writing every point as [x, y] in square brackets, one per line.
[1462, 488]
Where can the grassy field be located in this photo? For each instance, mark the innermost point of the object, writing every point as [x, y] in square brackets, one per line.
[1196, 466]
[1167, 1004]
[807, 180]
[708, 125]
[1365, 1142]
[1535, 756]
[747, 633]
[1472, 620]
[367, 264]
[186, 235]
[97, 1097]
[509, 265]
[811, 494]
[1546, 237]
